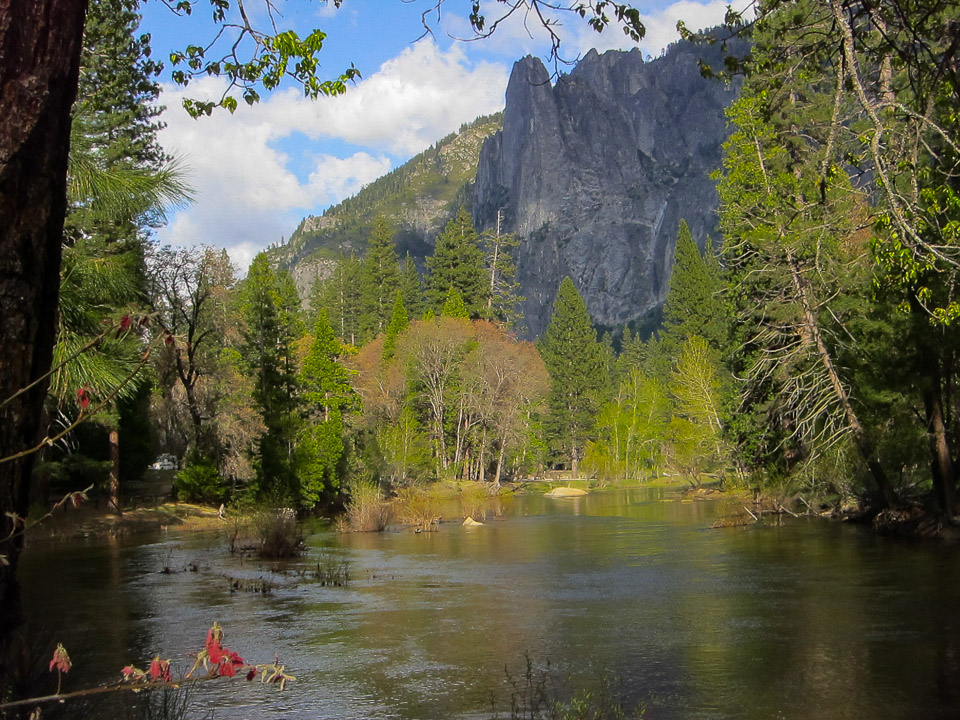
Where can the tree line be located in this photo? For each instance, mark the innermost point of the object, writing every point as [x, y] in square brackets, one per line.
[813, 347]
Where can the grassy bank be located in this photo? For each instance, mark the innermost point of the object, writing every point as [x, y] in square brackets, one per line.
[90, 521]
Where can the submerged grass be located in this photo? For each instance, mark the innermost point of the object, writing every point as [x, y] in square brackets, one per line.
[534, 696]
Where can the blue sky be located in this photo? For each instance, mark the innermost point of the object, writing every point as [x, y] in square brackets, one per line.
[258, 172]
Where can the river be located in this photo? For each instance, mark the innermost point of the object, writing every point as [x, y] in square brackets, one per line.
[808, 619]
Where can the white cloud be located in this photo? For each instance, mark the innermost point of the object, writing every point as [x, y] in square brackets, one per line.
[523, 33]
[250, 192]
[341, 178]
[410, 102]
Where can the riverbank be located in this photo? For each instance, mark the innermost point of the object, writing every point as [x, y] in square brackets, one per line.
[89, 521]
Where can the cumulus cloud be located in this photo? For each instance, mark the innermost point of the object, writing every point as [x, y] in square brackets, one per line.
[250, 192]
[410, 102]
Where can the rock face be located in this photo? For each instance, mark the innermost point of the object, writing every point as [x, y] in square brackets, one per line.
[595, 173]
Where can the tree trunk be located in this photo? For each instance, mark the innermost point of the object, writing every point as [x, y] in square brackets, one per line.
[942, 468]
[496, 478]
[883, 486]
[40, 42]
[115, 506]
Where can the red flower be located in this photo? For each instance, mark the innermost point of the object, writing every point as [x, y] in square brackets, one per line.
[252, 674]
[61, 660]
[215, 652]
[213, 646]
[160, 670]
[233, 657]
[132, 674]
[229, 664]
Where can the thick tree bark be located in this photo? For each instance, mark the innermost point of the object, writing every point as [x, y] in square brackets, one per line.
[944, 479]
[40, 42]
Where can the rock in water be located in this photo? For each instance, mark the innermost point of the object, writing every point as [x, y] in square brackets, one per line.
[564, 492]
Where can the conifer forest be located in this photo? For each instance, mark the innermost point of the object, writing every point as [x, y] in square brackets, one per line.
[805, 359]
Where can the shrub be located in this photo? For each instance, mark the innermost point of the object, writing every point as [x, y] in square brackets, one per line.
[278, 533]
[420, 508]
[200, 482]
[366, 510]
[477, 500]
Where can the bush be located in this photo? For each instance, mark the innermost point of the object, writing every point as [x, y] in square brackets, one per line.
[200, 482]
[278, 533]
[366, 510]
[420, 508]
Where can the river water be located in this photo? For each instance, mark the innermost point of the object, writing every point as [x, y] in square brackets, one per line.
[809, 619]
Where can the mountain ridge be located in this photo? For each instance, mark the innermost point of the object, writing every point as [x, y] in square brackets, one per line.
[595, 172]
[418, 198]
[592, 172]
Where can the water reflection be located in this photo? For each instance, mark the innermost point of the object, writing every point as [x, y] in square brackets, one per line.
[810, 619]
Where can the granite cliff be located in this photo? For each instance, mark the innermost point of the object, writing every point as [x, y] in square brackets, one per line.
[595, 172]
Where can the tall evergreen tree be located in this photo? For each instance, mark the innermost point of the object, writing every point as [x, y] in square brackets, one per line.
[268, 335]
[116, 113]
[694, 303]
[575, 361]
[328, 395]
[324, 381]
[458, 262]
[340, 296]
[503, 296]
[410, 287]
[380, 279]
[398, 323]
[118, 184]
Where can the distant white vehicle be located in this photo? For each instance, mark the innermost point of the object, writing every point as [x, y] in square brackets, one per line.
[166, 461]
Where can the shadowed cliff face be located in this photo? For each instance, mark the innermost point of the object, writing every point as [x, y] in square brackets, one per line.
[595, 173]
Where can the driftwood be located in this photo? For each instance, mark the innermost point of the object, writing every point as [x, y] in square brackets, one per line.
[789, 512]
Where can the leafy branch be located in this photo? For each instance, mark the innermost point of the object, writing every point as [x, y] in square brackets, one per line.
[254, 58]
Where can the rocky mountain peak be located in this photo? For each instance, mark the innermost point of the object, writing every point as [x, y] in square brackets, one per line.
[596, 171]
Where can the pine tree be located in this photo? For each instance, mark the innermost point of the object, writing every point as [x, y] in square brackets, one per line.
[325, 382]
[115, 116]
[328, 395]
[458, 262]
[503, 296]
[453, 306]
[575, 361]
[379, 281]
[410, 288]
[694, 303]
[267, 348]
[340, 296]
[398, 323]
